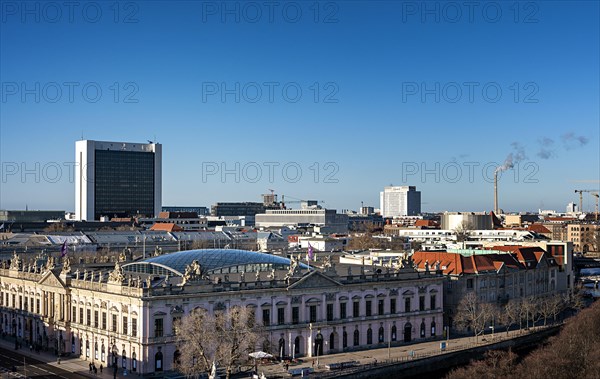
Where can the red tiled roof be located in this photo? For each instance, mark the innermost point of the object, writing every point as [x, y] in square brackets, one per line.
[166, 227]
[458, 264]
[538, 228]
[425, 223]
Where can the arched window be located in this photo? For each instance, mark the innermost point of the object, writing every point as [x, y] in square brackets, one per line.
[115, 355]
[422, 329]
[87, 348]
[394, 333]
[344, 339]
[158, 360]
[356, 337]
[381, 337]
[73, 343]
[281, 349]
[369, 336]
[433, 328]
[96, 349]
[124, 359]
[133, 361]
[297, 345]
[103, 353]
[332, 341]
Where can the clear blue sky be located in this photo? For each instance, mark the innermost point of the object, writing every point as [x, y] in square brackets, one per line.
[388, 76]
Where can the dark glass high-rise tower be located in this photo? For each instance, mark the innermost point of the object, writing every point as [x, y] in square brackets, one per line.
[117, 179]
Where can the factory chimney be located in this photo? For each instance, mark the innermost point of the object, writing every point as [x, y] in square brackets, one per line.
[496, 192]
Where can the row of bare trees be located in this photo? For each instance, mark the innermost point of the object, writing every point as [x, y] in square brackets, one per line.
[476, 315]
[222, 339]
[573, 353]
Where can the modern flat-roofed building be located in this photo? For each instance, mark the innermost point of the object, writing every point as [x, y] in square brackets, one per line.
[328, 220]
[117, 179]
[400, 201]
[30, 216]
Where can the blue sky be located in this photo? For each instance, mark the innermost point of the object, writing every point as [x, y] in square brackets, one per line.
[387, 90]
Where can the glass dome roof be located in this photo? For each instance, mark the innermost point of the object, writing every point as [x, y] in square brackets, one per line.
[212, 261]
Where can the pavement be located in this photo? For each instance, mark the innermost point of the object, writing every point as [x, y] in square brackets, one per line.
[381, 355]
[45, 364]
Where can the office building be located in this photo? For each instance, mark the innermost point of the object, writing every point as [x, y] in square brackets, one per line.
[327, 220]
[117, 179]
[400, 201]
[239, 209]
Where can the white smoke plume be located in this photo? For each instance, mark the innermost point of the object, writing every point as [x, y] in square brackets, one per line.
[572, 141]
[546, 148]
[514, 157]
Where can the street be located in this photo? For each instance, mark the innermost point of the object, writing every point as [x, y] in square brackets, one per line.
[30, 367]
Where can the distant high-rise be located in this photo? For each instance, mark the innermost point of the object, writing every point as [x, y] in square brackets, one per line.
[117, 179]
[400, 201]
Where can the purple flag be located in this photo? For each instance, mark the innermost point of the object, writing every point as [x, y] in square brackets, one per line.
[310, 252]
[63, 249]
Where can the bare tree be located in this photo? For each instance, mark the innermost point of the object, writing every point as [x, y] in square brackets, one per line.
[463, 231]
[58, 227]
[511, 314]
[532, 307]
[497, 364]
[224, 338]
[551, 306]
[473, 314]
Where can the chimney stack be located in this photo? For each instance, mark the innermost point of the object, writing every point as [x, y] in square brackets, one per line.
[496, 192]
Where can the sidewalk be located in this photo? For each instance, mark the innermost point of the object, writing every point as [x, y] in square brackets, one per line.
[380, 355]
[377, 355]
[71, 364]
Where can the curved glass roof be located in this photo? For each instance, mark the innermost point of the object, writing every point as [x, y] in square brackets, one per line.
[211, 261]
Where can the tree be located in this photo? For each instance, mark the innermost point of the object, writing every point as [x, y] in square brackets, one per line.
[58, 227]
[571, 354]
[225, 338]
[463, 231]
[497, 364]
[551, 306]
[473, 314]
[532, 308]
[511, 314]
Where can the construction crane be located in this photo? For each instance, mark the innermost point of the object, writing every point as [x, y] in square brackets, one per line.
[581, 197]
[597, 196]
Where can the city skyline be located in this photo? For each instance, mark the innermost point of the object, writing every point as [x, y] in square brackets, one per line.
[407, 98]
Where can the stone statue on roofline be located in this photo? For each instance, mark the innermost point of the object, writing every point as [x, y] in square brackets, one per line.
[50, 263]
[116, 275]
[66, 265]
[193, 272]
[15, 262]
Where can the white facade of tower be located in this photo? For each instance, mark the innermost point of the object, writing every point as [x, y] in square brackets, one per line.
[398, 201]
